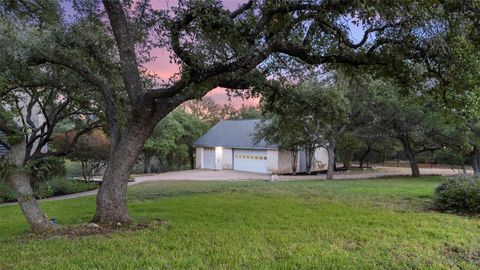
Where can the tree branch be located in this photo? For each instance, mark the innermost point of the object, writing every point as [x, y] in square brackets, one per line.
[100, 83]
[126, 48]
[69, 147]
[241, 9]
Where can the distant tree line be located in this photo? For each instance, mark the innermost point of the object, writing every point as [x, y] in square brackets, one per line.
[352, 117]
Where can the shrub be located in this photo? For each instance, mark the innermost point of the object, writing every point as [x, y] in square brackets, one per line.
[460, 193]
[43, 190]
[73, 168]
[54, 187]
[61, 186]
[5, 169]
[7, 194]
[43, 169]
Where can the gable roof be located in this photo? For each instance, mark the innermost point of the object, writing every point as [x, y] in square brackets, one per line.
[233, 134]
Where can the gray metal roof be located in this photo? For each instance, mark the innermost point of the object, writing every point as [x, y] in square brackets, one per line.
[233, 134]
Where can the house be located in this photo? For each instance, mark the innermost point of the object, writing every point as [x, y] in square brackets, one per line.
[3, 149]
[35, 117]
[229, 145]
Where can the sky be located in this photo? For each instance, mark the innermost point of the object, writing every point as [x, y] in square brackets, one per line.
[163, 69]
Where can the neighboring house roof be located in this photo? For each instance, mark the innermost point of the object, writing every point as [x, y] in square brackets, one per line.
[233, 134]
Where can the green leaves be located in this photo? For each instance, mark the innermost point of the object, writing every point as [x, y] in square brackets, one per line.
[6, 168]
[308, 114]
[174, 135]
[13, 134]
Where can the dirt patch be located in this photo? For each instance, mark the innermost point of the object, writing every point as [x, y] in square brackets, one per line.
[458, 253]
[84, 230]
[353, 245]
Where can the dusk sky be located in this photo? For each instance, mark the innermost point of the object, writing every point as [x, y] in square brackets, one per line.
[163, 69]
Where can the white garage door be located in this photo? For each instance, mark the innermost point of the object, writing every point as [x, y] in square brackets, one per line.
[209, 158]
[250, 160]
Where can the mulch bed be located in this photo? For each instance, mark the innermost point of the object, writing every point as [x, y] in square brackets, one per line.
[85, 230]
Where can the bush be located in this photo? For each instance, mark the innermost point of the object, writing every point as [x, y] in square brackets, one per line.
[5, 170]
[61, 186]
[73, 168]
[54, 187]
[43, 190]
[7, 194]
[450, 157]
[459, 193]
[46, 168]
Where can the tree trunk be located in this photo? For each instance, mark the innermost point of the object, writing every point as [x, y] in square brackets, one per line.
[147, 159]
[412, 158]
[347, 159]
[84, 170]
[331, 158]
[179, 163]
[309, 158]
[191, 151]
[476, 160]
[364, 156]
[24, 192]
[294, 155]
[112, 196]
[475, 168]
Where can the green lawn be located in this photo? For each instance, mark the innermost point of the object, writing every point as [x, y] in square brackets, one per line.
[362, 224]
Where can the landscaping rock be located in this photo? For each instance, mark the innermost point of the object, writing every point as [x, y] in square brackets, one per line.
[93, 225]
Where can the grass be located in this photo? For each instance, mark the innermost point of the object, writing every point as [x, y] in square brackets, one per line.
[362, 224]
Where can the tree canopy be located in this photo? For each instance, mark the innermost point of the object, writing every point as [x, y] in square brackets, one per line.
[172, 140]
[307, 116]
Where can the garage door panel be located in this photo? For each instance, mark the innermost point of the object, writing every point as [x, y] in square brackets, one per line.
[209, 158]
[250, 160]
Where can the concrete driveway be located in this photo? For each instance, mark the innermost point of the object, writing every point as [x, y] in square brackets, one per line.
[230, 175]
[203, 175]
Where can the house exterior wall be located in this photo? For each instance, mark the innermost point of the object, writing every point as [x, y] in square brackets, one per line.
[3, 150]
[302, 161]
[320, 160]
[272, 161]
[218, 157]
[199, 157]
[227, 158]
[284, 162]
[37, 117]
[278, 161]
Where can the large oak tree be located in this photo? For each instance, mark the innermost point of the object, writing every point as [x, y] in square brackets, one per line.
[107, 44]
